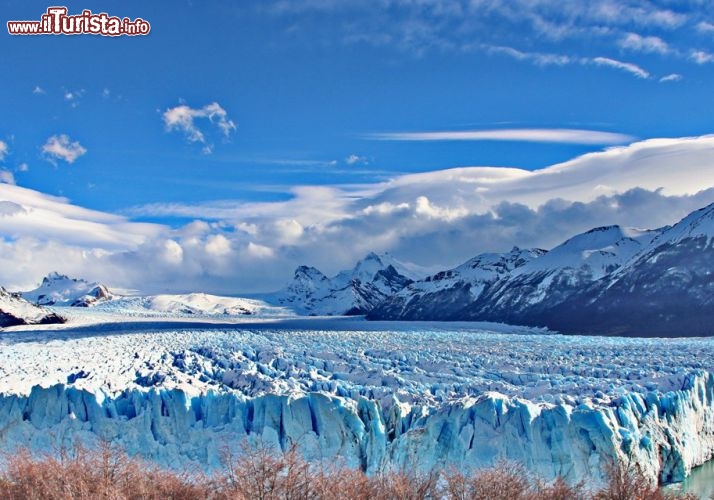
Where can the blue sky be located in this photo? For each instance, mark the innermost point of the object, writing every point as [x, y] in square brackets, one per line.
[231, 104]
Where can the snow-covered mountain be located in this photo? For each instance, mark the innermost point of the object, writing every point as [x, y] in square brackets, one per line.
[563, 288]
[14, 310]
[447, 293]
[517, 286]
[191, 304]
[666, 289]
[529, 294]
[607, 281]
[351, 292]
[60, 290]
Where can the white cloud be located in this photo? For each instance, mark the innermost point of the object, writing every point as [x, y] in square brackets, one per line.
[672, 77]
[172, 252]
[4, 149]
[61, 147]
[53, 217]
[356, 159]
[6, 177]
[561, 136]
[705, 27]
[183, 118]
[38, 90]
[73, 96]
[106, 93]
[426, 208]
[624, 66]
[8, 208]
[701, 57]
[385, 208]
[538, 58]
[497, 26]
[442, 217]
[297, 163]
[631, 41]
[646, 44]
[260, 251]
[287, 231]
[23, 167]
[218, 245]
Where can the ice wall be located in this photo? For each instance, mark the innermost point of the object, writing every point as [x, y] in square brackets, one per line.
[665, 435]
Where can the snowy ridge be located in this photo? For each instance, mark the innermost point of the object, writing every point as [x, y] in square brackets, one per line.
[366, 269]
[14, 310]
[516, 286]
[60, 290]
[606, 281]
[600, 250]
[372, 398]
[530, 293]
[447, 292]
[350, 292]
[699, 223]
[663, 290]
[193, 304]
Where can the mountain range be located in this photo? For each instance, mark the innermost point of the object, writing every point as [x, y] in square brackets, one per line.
[350, 292]
[607, 281]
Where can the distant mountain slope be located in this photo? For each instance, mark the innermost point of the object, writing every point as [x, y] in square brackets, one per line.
[607, 281]
[191, 304]
[667, 289]
[530, 292]
[445, 294]
[351, 292]
[60, 290]
[14, 310]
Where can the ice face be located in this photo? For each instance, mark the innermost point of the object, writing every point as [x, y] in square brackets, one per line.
[375, 396]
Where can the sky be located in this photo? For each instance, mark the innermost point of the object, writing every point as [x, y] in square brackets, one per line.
[238, 140]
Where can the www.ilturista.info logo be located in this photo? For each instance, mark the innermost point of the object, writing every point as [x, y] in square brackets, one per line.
[57, 22]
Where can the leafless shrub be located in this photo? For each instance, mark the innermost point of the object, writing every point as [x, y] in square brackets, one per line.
[504, 481]
[104, 473]
[260, 472]
[559, 490]
[628, 483]
[263, 473]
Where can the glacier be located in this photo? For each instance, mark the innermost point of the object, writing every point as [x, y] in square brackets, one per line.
[369, 395]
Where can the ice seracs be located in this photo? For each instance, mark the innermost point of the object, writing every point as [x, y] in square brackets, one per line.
[412, 396]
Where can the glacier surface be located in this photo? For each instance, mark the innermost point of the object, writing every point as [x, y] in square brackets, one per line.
[372, 395]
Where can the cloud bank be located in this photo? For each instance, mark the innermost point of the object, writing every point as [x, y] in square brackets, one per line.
[434, 218]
